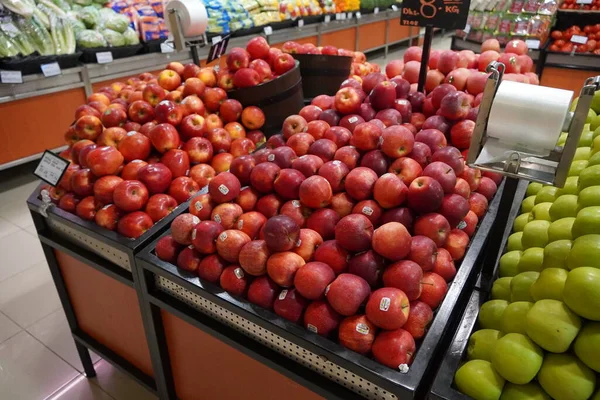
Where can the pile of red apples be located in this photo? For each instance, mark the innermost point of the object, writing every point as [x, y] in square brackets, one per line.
[465, 69]
[348, 227]
[360, 65]
[256, 64]
[140, 148]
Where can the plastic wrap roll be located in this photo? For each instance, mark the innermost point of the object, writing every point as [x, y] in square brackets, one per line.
[526, 118]
[192, 15]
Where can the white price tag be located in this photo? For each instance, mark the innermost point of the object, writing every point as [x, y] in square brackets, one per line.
[300, 23]
[394, 8]
[327, 18]
[349, 15]
[104, 57]
[167, 47]
[216, 39]
[268, 30]
[11, 77]
[51, 168]
[533, 44]
[358, 15]
[343, 16]
[9, 27]
[376, 10]
[338, 16]
[579, 39]
[584, 2]
[52, 69]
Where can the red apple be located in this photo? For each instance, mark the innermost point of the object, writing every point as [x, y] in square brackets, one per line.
[182, 188]
[434, 226]
[404, 275]
[135, 224]
[388, 308]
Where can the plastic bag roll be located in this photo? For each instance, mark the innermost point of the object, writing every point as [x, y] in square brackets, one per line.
[192, 15]
[526, 118]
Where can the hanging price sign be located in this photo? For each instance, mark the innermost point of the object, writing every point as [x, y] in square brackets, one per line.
[447, 14]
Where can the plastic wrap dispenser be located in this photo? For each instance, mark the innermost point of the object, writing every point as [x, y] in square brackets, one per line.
[551, 169]
[177, 29]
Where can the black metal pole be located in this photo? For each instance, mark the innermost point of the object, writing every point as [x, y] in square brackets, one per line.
[195, 55]
[425, 57]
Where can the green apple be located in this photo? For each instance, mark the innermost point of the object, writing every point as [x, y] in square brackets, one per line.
[490, 314]
[594, 159]
[535, 234]
[586, 222]
[570, 186]
[596, 395]
[587, 345]
[588, 197]
[532, 259]
[533, 188]
[501, 288]
[479, 380]
[595, 122]
[546, 194]
[585, 252]
[513, 319]
[509, 263]
[540, 211]
[562, 139]
[582, 153]
[556, 253]
[586, 138]
[563, 207]
[561, 229]
[574, 104]
[514, 242]
[527, 204]
[597, 132]
[595, 145]
[520, 285]
[589, 176]
[596, 102]
[582, 292]
[564, 377]
[529, 391]
[591, 115]
[550, 284]
[576, 168]
[552, 325]
[520, 222]
[516, 358]
[481, 344]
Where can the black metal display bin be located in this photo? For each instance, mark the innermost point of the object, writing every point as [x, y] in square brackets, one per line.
[108, 253]
[311, 360]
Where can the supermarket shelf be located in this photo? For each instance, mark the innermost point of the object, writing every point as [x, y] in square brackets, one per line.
[38, 85]
[465, 44]
[576, 61]
[30, 158]
[579, 11]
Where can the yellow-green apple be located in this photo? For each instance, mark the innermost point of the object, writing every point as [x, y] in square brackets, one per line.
[570, 187]
[561, 229]
[514, 317]
[530, 391]
[527, 204]
[501, 289]
[535, 234]
[577, 167]
[540, 211]
[556, 254]
[478, 379]
[546, 194]
[520, 222]
[520, 285]
[588, 197]
[563, 207]
[509, 262]
[565, 377]
[516, 358]
[581, 292]
[552, 325]
[481, 344]
[514, 242]
[585, 251]
[587, 345]
[531, 260]
[586, 222]
[550, 284]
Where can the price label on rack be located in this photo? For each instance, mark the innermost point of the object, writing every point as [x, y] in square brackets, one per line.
[447, 14]
[376, 10]
[394, 8]
[300, 23]
[327, 19]
[104, 57]
[11, 77]
[358, 15]
[167, 47]
[51, 168]
[579, 39]
[532, 44]
[584, 2]
[268, 30]
[349, 15]
[52, 69]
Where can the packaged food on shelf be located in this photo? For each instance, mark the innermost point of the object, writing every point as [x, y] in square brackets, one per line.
[575, 39]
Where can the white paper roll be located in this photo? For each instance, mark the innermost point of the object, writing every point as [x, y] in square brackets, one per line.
[526, 118]
[192, 15]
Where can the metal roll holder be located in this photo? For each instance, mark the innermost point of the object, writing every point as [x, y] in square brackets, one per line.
[179, 40]
[552, 169]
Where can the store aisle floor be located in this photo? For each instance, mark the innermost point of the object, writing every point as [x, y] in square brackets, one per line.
[38, 359]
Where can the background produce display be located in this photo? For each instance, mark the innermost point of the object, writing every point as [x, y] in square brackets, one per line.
[574, 5]
[539, 335]
[139, 148]
[561, 40]
[505, 20]
[347, 207]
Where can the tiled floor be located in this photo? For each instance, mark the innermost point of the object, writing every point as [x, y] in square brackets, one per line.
[38, 359]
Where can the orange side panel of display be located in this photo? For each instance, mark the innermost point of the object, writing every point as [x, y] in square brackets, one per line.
[371, 35]
[107, 310]
[563, 78]
[398, 32]
[205, 367]
[32, 125]
[344, 39]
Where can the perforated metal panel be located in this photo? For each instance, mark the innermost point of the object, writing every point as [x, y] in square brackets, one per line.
[111, 254]
[289, 349]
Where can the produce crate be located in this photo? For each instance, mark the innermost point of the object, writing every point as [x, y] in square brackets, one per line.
[443, 385]
[194, 299]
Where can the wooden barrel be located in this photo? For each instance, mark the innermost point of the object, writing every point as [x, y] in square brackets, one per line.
[278, 98]
[322, 74]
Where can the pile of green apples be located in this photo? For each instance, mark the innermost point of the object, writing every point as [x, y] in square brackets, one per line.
[539, 334]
